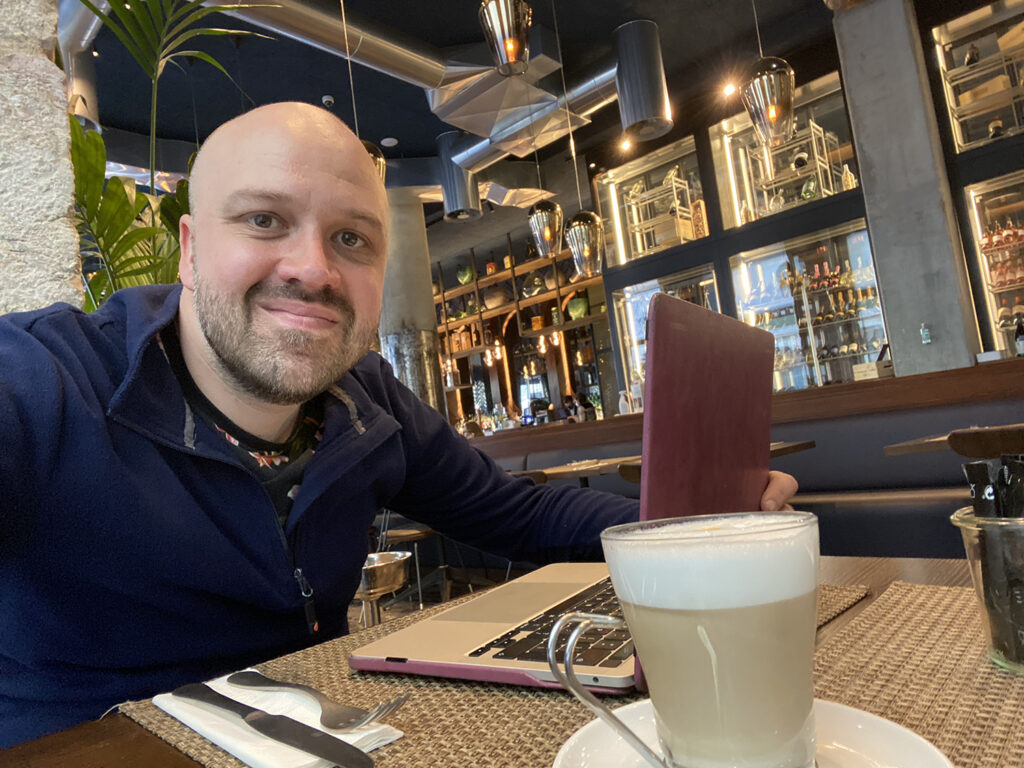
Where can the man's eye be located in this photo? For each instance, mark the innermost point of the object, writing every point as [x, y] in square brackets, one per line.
[351, 239]
[262, 220]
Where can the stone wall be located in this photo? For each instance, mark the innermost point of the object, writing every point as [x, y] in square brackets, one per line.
[38, 244]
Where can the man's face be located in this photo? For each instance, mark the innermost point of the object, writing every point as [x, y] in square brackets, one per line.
[286, 253]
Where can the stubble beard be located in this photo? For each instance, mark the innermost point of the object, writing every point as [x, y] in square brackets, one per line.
[285, 366]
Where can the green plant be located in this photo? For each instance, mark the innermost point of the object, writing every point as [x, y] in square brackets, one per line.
[120, 245]
[117, 246]
[154, 31]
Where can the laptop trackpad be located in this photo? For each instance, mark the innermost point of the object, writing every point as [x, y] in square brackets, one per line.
[512, 602]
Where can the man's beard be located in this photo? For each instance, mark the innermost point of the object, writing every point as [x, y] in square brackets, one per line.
[279, 365]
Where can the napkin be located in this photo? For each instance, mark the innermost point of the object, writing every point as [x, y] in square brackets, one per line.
[230, 733]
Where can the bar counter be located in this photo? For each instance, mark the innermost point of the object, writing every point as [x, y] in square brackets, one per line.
[1003, 380]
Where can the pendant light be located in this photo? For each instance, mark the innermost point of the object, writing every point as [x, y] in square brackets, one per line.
[546, 226]
[585, 231]
[375, 152]
[768, 95]
[506, 26]
[585, 235]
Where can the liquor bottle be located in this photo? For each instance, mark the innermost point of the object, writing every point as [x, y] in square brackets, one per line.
[846, 281]
[852, 307]
[815, 282]
[830, 310]
[985, 241]
[1018, 274]
[785, 279]
[817, 317]
[757, 293]
[1009, 232]
[1018, 336]
[996, 238]
[826, 277]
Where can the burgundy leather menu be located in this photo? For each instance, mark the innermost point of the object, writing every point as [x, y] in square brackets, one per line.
[707, 412]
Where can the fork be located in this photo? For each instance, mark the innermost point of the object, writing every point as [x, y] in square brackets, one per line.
[338, 717]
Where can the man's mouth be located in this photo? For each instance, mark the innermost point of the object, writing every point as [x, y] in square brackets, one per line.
[301, 315]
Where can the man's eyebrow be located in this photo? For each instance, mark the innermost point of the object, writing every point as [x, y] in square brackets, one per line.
[247, 197]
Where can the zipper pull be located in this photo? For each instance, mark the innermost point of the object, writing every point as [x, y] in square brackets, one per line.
[309, 606]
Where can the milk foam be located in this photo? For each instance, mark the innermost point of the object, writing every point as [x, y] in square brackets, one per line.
[723, 563]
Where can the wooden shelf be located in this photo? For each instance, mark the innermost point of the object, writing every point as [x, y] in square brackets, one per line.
[497, 277]
[504, 309]
[566, 326]
[453, 293]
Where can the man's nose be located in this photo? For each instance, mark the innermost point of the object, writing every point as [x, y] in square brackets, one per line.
[311, 262]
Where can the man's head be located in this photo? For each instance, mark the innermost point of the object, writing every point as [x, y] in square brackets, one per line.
[283, 255]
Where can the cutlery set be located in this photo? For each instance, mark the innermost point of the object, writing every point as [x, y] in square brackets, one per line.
[288, 731]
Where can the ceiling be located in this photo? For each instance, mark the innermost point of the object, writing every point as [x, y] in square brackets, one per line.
[697, 36]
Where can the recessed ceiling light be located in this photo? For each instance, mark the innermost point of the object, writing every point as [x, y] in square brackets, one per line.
[729, 89]
[592, 166]
[625, 145]
[389, 141]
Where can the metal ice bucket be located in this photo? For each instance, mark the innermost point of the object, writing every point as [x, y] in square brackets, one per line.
[383, 573]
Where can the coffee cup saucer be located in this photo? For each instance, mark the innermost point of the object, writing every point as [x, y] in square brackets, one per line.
[847, 738]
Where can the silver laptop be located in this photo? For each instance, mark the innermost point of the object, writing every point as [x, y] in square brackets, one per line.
[701, 366]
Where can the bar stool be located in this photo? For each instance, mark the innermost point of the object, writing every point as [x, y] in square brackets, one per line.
[411, 532]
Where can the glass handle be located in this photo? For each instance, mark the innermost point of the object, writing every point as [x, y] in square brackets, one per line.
[569, 680]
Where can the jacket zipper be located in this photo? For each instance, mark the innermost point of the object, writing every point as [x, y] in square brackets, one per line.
[308, 605]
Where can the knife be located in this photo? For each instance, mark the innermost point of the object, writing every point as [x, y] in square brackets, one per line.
[281, 728]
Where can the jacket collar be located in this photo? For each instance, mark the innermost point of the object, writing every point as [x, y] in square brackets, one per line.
[149, 399]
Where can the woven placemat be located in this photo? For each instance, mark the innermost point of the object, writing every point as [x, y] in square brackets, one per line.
[917, 656]
[447, 723]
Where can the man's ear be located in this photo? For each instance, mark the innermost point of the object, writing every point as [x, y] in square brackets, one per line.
[187, 240]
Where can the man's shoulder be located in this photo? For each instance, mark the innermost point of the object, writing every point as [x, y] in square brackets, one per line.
[62, 332]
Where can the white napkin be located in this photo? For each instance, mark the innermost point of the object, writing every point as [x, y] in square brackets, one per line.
[230, 733]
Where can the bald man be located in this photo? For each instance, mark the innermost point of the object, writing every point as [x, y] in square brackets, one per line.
[189, 474]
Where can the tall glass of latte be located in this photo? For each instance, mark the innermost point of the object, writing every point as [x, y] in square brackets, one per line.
[722, 609]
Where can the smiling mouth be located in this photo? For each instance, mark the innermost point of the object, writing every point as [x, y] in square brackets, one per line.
[303, 315]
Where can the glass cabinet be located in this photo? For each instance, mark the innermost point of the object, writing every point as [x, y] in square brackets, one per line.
[981, 59]
[755, 181]
[652, 203]
[631, 304]
[996, 210]
[818, 296]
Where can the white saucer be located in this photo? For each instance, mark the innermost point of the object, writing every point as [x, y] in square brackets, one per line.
[847, 738]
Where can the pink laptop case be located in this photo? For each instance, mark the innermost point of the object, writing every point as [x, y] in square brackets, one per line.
[707, 412]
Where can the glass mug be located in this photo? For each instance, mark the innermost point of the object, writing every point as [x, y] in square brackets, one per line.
[723, 613]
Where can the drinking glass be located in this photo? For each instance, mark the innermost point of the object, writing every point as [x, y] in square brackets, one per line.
[722, 610]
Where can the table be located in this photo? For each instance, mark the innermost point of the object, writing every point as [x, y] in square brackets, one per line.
[972, 442]
[629, 466]
[118, 742]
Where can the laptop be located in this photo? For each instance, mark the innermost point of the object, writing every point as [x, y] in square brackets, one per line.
[705, 449]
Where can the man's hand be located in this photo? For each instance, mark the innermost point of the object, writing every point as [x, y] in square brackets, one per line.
[781, 487]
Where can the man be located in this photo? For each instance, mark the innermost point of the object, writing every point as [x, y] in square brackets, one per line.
[189, 474]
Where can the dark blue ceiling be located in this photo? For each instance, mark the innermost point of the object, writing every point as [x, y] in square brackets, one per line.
[699, 38]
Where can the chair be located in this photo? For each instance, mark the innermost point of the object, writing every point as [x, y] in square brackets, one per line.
[410, 532]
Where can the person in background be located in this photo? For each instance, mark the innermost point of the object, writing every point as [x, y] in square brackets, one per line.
[188, 475]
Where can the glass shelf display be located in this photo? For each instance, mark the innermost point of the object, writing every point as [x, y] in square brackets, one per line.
[819, 297]
[996, 210]
[755, 181]
[631, 304]
[981, 59]
[652, 203]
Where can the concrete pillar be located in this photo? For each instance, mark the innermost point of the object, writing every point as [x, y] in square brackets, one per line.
[408, 324]
[38, 241]
[918, 254]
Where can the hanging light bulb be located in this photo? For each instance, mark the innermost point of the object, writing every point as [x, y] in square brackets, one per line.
[497, 350]
[488, 360]
[379, 161]
[768, 94]
[546, 226]
[768, 97]
[506, 26]
[542, 345]
[585, 234]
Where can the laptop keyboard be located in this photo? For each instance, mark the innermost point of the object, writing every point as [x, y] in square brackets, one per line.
[597, 647]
